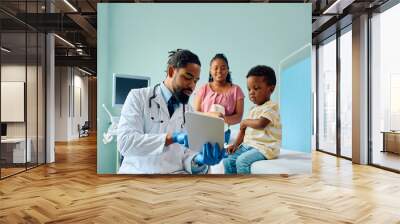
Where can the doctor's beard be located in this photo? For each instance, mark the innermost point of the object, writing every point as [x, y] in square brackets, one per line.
[181, 96]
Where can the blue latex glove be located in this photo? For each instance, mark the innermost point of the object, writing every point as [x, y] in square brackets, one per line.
[227, 135]
[180, 138]
[210, 154]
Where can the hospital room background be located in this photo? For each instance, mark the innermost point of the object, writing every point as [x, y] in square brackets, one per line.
[134, 39]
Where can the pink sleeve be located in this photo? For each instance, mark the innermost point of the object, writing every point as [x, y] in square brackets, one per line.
[238, 93]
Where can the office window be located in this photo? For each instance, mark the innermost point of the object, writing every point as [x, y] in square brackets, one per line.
[385, 88]
[346, 93]
[327, 96]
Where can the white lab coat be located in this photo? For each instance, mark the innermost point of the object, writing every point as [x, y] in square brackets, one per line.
[142, 141]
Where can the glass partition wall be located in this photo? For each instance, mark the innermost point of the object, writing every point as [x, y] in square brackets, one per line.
[326, 137]
[334, 85]
[334, 94]
[385, 89]
[22, 77]
[345, 62]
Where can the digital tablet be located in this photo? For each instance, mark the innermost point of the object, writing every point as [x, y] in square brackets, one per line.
[203, 128]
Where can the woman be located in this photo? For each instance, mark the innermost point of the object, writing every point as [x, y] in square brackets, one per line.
[219, 91]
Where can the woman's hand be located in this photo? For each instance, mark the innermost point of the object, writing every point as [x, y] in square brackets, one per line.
[216, 114]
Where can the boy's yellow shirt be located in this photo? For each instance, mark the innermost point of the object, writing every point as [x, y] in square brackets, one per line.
[267, 141]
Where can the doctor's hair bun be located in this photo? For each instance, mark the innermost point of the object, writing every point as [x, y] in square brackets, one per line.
[179, 58]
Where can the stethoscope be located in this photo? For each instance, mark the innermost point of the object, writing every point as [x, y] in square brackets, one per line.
[159, 108]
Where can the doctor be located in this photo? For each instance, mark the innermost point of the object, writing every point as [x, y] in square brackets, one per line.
[151, 130]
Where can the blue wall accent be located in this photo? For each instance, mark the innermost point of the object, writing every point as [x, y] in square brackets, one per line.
[135, 39]
[296, 106]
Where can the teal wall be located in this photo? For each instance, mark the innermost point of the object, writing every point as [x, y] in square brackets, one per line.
[135, 39]
[296, 101]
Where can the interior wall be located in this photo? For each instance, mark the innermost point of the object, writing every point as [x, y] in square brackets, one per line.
[33, 126]
[61, 103]
[17, 72]
[296, 96]
[80, 109]
[71, 102]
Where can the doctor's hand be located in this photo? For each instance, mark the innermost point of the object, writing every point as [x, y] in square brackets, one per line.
[210, 154]
[180, 138]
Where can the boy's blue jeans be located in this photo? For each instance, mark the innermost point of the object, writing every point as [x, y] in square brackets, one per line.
[240, 161]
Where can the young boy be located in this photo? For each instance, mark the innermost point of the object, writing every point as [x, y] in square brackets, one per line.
[259, 137]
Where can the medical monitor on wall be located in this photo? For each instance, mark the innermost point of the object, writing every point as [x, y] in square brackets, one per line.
[123, 83]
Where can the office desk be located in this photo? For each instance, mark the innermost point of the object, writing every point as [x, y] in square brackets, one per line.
[15, 148]
[391, 141]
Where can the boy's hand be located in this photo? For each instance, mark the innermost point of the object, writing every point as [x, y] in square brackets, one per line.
[231, 149]
[243, 125]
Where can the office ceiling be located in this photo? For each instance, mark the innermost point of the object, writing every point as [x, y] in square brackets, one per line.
[76, 22]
